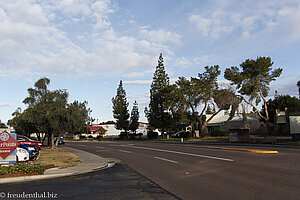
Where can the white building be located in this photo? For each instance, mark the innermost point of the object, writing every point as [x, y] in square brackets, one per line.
[111, 130]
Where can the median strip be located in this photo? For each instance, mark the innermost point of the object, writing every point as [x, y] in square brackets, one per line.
[249, 150]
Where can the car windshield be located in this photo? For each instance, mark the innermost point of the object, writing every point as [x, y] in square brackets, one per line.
[27, 138]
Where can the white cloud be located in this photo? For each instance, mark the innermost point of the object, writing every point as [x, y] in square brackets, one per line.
[203, 24]
[161, 36]
[201, 60]
[139, 74]
[246, 18]
[6, 105]
[101, 10]
[24, 12]
[73, 8]
[34, 41]
[183, 61]
[138, 82]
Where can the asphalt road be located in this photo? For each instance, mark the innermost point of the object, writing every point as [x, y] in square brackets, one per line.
[204, 172]
[117, 183]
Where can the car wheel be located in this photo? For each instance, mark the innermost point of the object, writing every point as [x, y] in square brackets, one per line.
[38, 156]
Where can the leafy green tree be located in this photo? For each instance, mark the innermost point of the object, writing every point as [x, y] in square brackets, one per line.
[298, 84]
[199, 91]
[280, 102]
[108, 122]
[101, 131]
[21, 122]
[78, 116]
[253, 81]
[120, 109]
[134, 118]
[2, 125]
[49, 112]
[159, 113]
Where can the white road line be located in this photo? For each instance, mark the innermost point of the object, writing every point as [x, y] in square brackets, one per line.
[165, 159]
[101, 150]
[100, 147]
[124, 151]
[182, 153]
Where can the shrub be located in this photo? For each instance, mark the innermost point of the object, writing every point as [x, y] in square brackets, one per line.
[82, 137]
[99, 137]
[218, 132]
[152, 135]
[132, 135]
[22, 168]
[140, 135]
[122, 135]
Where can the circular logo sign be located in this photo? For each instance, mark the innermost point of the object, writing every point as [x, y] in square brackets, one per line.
[4, 137]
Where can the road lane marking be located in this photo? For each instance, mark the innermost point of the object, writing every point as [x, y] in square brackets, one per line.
[182, 153]
[124, 151]
[101, 150]
[227, 148]
[165, 159]
[100, 147]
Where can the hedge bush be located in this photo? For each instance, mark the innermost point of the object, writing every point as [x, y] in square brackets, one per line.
[22, 168]
[218, 132]
[152, 135]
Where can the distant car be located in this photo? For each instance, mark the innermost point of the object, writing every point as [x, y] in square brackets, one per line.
[25, 140]
[180, 134]
[22, 155]
[33, 151]
[61, 140]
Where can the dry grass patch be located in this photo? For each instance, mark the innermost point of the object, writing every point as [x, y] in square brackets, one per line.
[209, 139]
[59, 157]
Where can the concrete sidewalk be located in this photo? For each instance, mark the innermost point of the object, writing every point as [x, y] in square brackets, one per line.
[90, 162]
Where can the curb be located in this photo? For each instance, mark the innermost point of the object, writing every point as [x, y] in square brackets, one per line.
[232, 144]
[250, 150]
[49, 176]
[20, 179]
[230, 149]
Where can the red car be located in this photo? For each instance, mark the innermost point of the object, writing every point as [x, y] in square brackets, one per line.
[25, 140]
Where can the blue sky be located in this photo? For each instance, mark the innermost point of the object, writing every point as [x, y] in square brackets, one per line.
[88, 46]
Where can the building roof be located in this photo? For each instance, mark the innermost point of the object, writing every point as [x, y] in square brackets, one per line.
[218, 119]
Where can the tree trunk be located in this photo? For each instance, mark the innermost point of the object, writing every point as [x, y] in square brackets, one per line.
[207, 121]
[162, 134]
[259, 114]
[267, 114]
[44, 138]
[38, 135]
[52, 141]
[57, 140]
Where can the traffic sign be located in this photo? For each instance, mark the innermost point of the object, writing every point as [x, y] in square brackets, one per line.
[7, 144]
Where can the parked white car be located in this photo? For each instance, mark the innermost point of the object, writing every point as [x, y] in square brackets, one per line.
[22, 155]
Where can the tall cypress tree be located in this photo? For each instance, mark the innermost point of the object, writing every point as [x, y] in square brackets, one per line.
[159, 115]
[134, 118]
[120, 110]
[298, 84]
